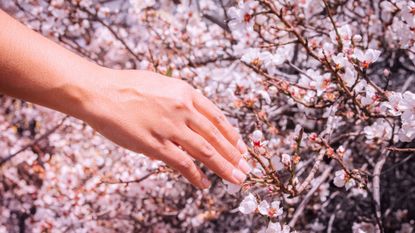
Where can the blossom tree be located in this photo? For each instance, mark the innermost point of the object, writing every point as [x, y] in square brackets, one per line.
[322, 91]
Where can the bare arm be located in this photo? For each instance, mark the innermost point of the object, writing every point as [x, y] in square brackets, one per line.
[139, 110]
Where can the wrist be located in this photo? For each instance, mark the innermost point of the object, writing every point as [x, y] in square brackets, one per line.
[80, 90]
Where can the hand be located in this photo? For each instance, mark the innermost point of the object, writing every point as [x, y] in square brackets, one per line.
[141, 111]
[162, 118]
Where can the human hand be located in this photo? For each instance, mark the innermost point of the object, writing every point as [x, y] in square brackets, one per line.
[159, 116]
[139, 110]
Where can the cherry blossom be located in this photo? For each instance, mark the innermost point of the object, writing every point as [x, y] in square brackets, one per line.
[251, 56]
[387, 6]
[257, 137]
[139, 5]
[408, 13]
[349, 77]
[286, 159]
[242, 16]
[407, 132]
[345, 33]
[367, 57]
[341, 180]
[248, 205]
[273, 210]
[316, 81]
[403, 105]
[340, 60]
[393, 106]
[272, 61]
[276, 163]
[231, 188]
[277, 228]
[379, 129]
[407, 103]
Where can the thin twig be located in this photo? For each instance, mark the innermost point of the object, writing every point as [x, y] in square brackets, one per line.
[300, 208]
[397, 149]
[312, 173]
[330, 16]
[332, 217]
[376, 190]
[156, 171]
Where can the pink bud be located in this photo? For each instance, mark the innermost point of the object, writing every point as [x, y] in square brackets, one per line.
[386, 72]
[257, 136]
[357, 38]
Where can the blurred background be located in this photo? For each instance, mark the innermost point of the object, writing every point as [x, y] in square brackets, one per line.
[58, 175]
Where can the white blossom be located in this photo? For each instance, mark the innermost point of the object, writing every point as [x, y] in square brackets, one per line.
[349, 77]
[141, 4]
[340, 60]
[248, 205]
[273, 210]
[242, 16]
[277, 228]
[286, 159]
[276, 163]
[257, 136]
[368, 57]
[345, 33]
[251, 55]
[231, 188]
[339, 179]
[379, 129]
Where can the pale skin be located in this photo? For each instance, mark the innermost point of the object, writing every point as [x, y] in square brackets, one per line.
[161, 117]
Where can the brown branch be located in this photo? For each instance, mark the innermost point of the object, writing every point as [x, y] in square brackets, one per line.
[220, 22]
[376, 191]
[312, 173]
[298, 212]
[153, 172]
[339, 39]
[269, 172]
[397, 149]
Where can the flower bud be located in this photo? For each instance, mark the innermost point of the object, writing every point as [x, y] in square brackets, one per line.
[257, 136]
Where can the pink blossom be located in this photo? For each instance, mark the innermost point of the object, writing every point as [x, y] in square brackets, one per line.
[273, 210]
[248, 205]
[366, 58]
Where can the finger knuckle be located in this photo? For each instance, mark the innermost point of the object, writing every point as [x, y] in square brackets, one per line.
[181, 104]
[220, 119]
[215, 133]
[161, 147]
[207, 151]
[186, 164]
[234, 159]
[174, 135]
[223, 171]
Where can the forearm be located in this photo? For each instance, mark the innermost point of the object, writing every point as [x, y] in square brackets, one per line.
[38, 70]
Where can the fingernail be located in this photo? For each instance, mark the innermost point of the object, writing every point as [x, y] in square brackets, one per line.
[241, 146]
[238, 175]
[205, 182]
[244, 166]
